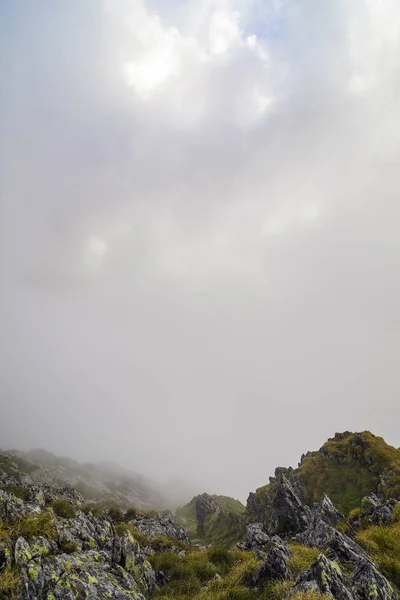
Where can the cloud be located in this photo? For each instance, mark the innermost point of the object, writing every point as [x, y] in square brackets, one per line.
[199, 246]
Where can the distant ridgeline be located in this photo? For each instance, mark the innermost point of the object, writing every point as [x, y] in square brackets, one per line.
[328, 529]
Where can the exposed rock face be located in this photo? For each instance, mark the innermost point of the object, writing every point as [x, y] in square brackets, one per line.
[163, 524]
[376, 511]
[205, 506]
[275, 567]
[325, 576]
[319, 534]
[316, 528]
[257, 539]
[346, 468]
[327, 511]
[80, 557]
[369, 584]
[289, 514]
[365, 583]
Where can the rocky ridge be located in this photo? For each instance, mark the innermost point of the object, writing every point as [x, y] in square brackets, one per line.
[54, 545]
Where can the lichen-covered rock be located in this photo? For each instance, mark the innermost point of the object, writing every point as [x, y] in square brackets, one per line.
[327, 576]
[11, 507]
[135, 563]
[369, 584]
[87, 533]
[87, 575]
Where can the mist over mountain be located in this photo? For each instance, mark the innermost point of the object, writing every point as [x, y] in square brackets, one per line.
[199, 248]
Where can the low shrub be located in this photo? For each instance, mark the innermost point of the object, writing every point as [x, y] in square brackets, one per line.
[69, 547]
[116, 515]
[41, 524]
[95, 510]
[63, 509]
[19, 491]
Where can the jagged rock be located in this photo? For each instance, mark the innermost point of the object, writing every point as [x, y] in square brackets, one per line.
[376, 511]
[289, 514]
[205, 505]
[163, 524]
[87, 532]
[275, 567]
[11, 507]
[135, 563]
[319, 534]
[328, 512]
[88, 575]
[257, 539]
[327, 577]
[369, 584]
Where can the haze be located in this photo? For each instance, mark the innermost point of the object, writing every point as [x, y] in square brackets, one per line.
[199, 231]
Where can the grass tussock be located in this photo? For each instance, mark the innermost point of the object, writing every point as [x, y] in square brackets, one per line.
[302, 557]
[383, 545]
[19, 491]
[10, 584]
[64, 509]
[41, 524]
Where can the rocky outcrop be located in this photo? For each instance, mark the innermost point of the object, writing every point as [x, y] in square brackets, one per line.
[67, 558]
[289, 514]
[369, 584]
[213, 518]
[274, 567]
[319, 534]
[325, 576]
[376, 511]
[162, 524]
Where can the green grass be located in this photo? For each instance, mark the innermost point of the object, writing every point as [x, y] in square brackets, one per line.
[18, 491]
[352, 470]
[64, 509]
[346, 468]
[301, 558]
[141, 539]
[194, 576]
[383, 545]
[10, 584]
[69, 547]
[115, 514]
[95, 510]
[41, 524]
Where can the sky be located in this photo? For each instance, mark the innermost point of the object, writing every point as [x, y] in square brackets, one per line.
[199, 231]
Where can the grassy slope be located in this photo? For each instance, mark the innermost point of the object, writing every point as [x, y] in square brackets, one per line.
[224, 527]
[352, 470]
[347, 468]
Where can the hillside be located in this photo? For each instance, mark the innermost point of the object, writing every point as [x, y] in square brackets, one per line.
[346, 468]
[55, 545]
[213, 518]
[108, 484]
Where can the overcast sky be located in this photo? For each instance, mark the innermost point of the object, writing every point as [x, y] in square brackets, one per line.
[200, 231]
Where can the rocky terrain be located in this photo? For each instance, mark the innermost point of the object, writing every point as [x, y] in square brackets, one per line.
[55, 543]
[106, 483]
